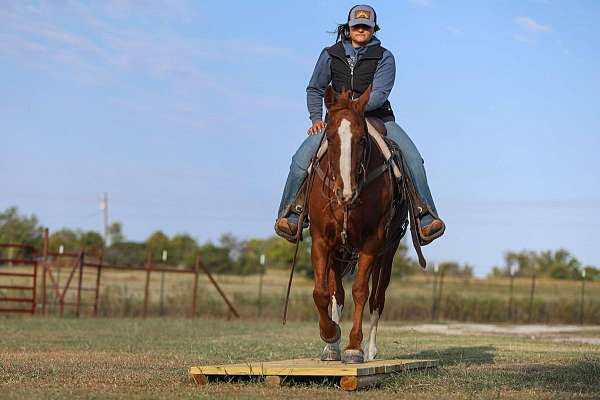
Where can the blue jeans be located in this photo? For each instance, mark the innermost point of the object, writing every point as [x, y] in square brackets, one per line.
[410, 153]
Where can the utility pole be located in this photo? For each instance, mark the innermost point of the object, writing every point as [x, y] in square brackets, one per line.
[104, 208]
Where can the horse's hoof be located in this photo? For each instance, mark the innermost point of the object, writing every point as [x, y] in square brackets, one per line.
[338, 335]
[331, 354]
[352, 356]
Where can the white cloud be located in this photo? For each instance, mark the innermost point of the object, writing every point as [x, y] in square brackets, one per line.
[98, 46]
[529, 30]
[529, 25]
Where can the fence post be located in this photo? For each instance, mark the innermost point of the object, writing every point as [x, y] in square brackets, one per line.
[34, 302]
[531, 293]
[216, 285]
[161, 311]
[260, 282]
[195, 288]
[146, 287]
[511, 290]
[78, 305]
[44, 270]
[581, 310]
[98, 273]
[433, 296]
[441, 286]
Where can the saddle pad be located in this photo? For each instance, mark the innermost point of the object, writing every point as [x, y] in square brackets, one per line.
[383, 147]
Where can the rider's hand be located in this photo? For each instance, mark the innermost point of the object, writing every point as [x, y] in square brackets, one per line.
[316, 127]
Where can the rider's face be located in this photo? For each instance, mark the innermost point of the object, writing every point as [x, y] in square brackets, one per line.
[361, 34]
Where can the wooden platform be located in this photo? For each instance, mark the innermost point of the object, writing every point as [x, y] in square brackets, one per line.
[352, 376]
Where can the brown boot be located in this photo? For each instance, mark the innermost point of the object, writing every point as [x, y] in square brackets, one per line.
[286, 230]
[432, 231]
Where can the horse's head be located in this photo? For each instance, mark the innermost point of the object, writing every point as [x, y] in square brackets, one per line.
[347, 138]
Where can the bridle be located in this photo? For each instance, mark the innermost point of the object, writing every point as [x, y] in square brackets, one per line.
[360, 169]
[334, 196]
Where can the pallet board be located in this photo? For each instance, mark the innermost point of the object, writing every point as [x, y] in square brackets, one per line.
[352, 376]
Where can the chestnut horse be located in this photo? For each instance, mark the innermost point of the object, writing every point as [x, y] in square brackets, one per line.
[351, 206]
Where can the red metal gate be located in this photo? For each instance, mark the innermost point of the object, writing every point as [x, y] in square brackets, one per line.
[11, 287]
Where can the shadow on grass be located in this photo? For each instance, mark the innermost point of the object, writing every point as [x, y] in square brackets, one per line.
[287, 381]
[458, 355]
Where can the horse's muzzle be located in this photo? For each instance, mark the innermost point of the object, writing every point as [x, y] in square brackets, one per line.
[347, 198]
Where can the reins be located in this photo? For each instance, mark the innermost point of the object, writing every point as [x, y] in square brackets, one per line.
[327, 180]
[362, 166]
[299, 232]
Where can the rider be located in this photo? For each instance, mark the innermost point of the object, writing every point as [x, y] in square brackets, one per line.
[355, 61]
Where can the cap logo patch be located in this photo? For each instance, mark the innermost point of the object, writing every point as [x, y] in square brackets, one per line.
[362, 14]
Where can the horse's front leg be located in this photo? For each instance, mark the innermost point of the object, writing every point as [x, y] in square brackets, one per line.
[331, 351]
[360, 293]
[320, 254]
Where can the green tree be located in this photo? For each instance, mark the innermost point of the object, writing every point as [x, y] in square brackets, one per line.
[91, 240]
[183, 250]
[65, 237]
[453, 268]
[115, 233]
[132, 254]
[15, 228]
[403, 265]
[249, 260]
[232, 244]
[280, 254]
[559, 264]
[156, 243]
[216, 258]
[591, 273]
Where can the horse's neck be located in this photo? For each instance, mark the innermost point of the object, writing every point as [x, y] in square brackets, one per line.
[375, 158]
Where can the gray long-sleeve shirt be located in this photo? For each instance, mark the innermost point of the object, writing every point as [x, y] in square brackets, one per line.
[383, 80]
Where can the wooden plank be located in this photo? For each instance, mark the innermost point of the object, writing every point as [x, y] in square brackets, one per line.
[352, 383]
[200, 379]
[273, 380]
[311, 367]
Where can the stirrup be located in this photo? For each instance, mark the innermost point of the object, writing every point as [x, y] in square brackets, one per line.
[290, 238]
[425, 240]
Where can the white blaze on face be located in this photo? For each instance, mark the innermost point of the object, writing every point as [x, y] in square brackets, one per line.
[345, 134]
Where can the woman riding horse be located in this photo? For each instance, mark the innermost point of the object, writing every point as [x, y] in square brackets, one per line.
[354, 62]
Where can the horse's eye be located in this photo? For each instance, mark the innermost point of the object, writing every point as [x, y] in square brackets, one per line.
[363, 140]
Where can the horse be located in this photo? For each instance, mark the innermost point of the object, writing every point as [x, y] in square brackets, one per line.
[352, 208]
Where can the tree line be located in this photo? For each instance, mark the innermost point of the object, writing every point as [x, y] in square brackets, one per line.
[230, 255]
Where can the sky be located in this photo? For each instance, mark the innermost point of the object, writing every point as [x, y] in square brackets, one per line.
[187, 114]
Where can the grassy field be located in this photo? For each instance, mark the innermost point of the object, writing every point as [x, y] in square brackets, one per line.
[132, 358]
[462, 299]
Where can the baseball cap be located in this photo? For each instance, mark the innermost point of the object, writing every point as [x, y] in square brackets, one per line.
[362, 15]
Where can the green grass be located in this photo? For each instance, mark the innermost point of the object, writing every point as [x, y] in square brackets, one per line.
[132, 358]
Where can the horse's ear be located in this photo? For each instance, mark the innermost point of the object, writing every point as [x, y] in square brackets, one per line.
[362, 101]
[330, 97]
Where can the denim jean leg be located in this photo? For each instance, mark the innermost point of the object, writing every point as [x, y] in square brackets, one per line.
[298, 170]
[415, 164]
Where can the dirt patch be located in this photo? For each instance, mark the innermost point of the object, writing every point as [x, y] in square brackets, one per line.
[562, 333]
